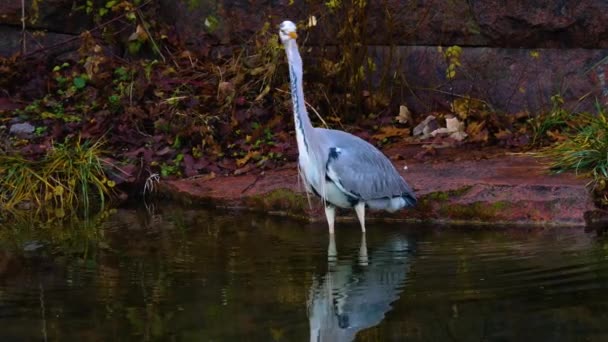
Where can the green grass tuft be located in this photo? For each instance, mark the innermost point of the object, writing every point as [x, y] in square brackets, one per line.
[585, 150]
[67, 178]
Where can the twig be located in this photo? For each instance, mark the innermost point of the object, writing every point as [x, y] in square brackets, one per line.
[602, 61]
[466, 97]
[257, 178]
[143, 24]
[23, 44]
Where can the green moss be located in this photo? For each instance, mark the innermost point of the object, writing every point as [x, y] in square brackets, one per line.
[279, 200]
[443, 196]
[437, 196]
[477, 211]
[428, 204]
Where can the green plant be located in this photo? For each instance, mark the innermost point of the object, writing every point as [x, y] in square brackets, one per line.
[68, 177]
[452, 59]
[585, 151]
[545, 125]
[40, 131]
[254, 71]
[173, 167]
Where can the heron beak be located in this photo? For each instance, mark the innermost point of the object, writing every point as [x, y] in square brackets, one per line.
[292, 35]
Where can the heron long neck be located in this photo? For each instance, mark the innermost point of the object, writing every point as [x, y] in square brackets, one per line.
[304, 129]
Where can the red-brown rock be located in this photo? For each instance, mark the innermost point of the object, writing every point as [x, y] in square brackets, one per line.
[501, 188]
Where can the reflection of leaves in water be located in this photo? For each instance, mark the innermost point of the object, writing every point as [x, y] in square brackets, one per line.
[71, 235]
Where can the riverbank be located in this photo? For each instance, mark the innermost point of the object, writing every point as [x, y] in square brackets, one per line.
[488, 186]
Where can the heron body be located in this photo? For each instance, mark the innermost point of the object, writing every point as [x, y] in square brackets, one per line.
[344, 170]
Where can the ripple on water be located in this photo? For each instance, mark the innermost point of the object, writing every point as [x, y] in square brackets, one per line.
[206, 276]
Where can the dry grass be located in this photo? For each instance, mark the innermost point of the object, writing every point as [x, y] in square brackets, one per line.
[69, 177]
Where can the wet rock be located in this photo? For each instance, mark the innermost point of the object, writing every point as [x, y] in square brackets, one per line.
[597, 219]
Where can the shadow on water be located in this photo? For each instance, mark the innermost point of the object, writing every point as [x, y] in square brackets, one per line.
[180, 274]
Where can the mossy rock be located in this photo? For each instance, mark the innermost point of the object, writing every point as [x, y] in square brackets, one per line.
[476, 211]
[279, 200]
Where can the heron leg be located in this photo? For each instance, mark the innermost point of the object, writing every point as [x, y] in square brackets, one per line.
[330, 213]
[332, 253]
[363, 259]
[360, 210]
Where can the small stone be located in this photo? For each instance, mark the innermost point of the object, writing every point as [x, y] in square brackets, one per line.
[404, 115]
[21, 129]
[423, 126]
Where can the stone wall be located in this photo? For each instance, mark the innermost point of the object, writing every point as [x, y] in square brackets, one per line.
[516, 54]
[55, 22]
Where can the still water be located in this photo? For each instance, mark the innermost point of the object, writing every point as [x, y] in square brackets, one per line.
[196, 275]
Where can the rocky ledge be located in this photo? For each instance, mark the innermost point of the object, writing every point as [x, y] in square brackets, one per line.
[453, 186]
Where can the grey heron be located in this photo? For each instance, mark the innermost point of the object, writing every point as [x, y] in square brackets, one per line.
[344, 170]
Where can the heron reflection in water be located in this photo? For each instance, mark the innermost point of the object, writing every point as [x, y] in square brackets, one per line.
[356, 294]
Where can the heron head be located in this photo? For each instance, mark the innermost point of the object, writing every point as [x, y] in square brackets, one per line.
[287, 31]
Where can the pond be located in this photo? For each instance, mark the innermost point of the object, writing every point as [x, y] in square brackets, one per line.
[183, 274]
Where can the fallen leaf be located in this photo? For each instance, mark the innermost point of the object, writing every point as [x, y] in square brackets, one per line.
[503, 134]
[263, 93]
[139, 34]
[465, 107]
[477, 132]
[244, 169]
[390, 132]
[556, 135]
[242, 161]
[206, 177]
[164, 151]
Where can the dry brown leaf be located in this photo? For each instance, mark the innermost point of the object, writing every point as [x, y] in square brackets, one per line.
[556, 135]
[390, 132]
[205, 177]
[466, 106]
[263, 93]
[242, 161]
[477, 132]
[139, 34]
[503, 134]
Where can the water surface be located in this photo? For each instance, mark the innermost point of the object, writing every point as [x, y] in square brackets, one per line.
[228, 276]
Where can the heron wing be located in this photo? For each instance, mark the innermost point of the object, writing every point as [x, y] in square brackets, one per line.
[360, 169]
